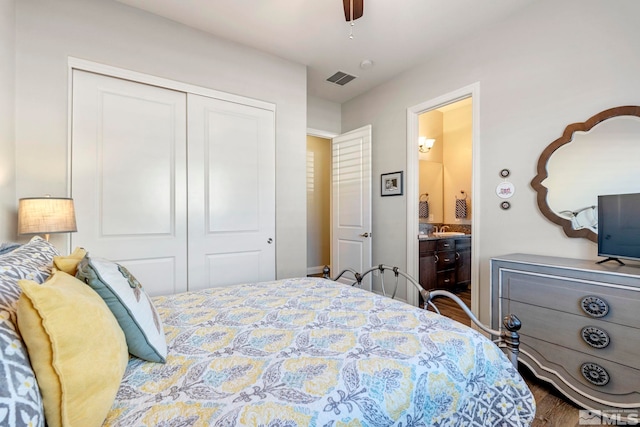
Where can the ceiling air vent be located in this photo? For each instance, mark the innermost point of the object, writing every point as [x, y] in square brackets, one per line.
[341, 78]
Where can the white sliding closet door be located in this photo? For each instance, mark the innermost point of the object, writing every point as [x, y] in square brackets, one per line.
[128, 177]
[231, 152]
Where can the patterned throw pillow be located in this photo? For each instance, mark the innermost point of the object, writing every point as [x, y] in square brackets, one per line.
[130, 304]
[20, 399]
[32, 261]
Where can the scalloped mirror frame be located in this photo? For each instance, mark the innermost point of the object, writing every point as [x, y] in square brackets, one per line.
[542, 174]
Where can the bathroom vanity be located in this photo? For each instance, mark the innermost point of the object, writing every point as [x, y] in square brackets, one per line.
[445, 261]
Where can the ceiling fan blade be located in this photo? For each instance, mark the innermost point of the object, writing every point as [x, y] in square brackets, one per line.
[358, 8]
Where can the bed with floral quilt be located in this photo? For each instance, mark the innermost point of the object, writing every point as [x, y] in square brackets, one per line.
[293, 352]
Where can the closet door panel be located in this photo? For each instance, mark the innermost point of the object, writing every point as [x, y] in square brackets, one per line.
[128, 177]
[233, 171]
[141, 148]
[231, 153]
[238, 267]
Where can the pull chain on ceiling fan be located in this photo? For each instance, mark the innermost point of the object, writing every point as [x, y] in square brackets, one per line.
[352, 10]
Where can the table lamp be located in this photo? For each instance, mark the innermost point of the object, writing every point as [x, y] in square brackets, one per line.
[46, 215]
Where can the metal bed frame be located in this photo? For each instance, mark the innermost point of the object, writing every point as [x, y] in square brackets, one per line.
[508, 338]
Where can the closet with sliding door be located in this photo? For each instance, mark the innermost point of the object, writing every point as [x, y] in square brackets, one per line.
[178, 187]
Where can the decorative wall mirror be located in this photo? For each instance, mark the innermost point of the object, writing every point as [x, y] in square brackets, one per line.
[597, 157]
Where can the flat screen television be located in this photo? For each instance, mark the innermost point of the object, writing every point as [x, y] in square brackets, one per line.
[619, 226]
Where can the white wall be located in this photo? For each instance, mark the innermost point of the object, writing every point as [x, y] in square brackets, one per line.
[8, 202]
[111, 33]
[324, 115]
[549, 65]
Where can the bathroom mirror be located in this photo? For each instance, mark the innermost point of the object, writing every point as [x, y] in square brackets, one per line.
[432, 183]
[599, 156]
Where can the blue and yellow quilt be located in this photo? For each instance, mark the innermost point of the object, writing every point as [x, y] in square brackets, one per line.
[312, 352]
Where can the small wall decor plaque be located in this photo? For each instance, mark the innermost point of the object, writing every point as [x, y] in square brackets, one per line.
[505, 189]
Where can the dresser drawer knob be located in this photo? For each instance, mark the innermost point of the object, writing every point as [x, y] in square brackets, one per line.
[594, 306]
[595, 337]
[595, 374]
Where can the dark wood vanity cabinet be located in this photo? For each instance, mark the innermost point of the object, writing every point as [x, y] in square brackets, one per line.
[428, 277]
[445, 263]
[463, 262]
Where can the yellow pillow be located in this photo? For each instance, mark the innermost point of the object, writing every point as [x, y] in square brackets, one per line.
[69, 263]
[76, 347]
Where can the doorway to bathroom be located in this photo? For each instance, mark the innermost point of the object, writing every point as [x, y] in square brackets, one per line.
[445, 167]
[442, 157]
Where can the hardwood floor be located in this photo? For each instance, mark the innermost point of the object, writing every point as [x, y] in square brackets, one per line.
[553, 410]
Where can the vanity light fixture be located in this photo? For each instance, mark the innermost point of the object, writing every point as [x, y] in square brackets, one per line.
[425, 144]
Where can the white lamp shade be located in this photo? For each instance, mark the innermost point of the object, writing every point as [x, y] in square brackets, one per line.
[46, 215]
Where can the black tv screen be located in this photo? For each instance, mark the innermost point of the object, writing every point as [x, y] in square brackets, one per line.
[619, 226]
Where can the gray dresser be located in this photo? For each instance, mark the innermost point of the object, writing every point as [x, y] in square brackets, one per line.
[580, 325]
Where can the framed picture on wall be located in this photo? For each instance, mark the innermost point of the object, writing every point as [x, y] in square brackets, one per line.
[391, 184]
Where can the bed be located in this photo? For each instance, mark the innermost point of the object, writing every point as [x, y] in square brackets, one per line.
[294, 352]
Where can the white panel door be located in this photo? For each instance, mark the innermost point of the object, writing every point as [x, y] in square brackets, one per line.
[351, 202]
[231, 193]
[128, 177]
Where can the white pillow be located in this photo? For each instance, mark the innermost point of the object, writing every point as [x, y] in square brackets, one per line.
[130, 304]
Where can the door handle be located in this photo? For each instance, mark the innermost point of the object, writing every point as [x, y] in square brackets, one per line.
[365, 234]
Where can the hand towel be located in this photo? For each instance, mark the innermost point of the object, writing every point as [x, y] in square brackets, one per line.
[423, 211]
[461, 208]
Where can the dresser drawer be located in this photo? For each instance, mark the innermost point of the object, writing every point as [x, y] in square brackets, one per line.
[617, 342]
[446, 260]
[563, 294]
[622, 384]
[445, 244]
[446, 279]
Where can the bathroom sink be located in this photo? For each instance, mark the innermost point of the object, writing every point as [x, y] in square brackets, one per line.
[448, 233]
